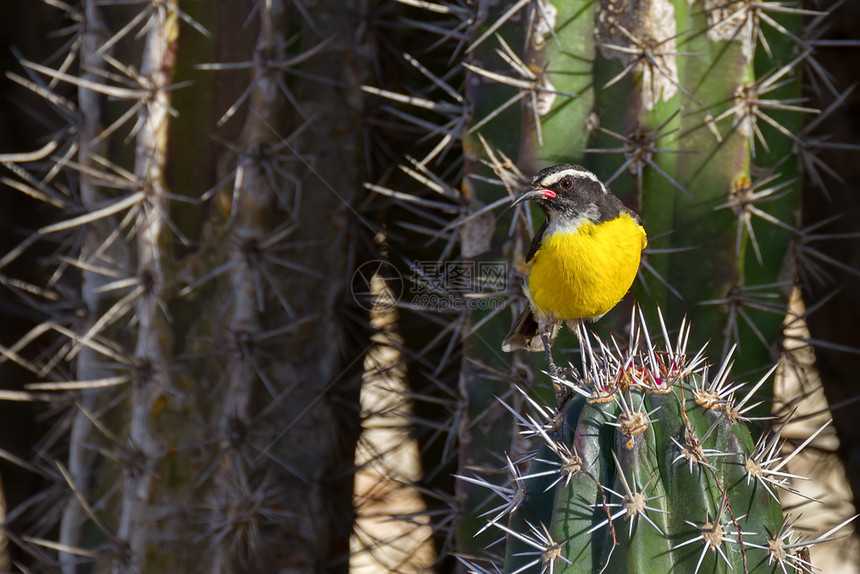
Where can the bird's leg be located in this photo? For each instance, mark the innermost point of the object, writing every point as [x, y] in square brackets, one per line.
[547, 347]
[554, 372]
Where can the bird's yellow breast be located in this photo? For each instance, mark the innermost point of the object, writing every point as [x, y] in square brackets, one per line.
[583, 273]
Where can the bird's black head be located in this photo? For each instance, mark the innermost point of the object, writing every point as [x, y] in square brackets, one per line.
[572, 190]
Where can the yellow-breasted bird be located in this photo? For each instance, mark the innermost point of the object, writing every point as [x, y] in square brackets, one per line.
[583, 258]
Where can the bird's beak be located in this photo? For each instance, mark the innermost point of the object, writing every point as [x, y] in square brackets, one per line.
[541, 193]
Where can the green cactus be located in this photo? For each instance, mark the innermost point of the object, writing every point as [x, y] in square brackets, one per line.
[649, 466]
[688, 113]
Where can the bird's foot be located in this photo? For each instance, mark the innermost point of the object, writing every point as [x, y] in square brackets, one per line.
[562, 393]
[569, 372]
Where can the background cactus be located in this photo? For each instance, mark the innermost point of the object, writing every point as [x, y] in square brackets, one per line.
[210, 178]
[183, 304]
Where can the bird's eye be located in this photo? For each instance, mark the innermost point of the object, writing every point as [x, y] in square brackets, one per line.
[566, 183]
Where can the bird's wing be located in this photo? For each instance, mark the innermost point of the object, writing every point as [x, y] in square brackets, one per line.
[536, 240]
[638, 221]
[633, 214]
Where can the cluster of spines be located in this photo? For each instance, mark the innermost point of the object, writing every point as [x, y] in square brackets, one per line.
[619, 377]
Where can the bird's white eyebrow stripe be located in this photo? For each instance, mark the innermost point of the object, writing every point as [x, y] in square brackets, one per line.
[556, 177]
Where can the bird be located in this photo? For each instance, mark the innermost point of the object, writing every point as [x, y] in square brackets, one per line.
[583, 259]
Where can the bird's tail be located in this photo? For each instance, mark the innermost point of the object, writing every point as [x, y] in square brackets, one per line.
[525, 334]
